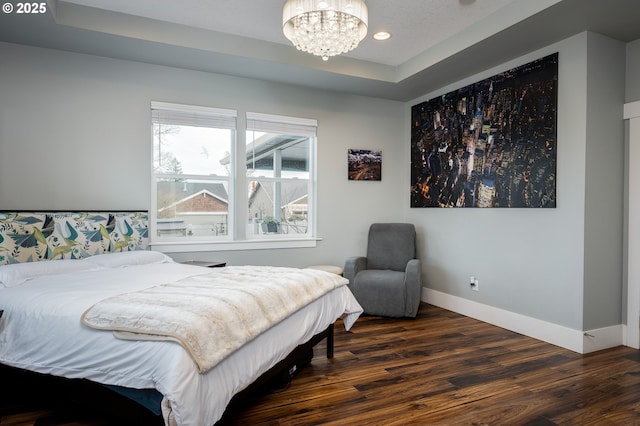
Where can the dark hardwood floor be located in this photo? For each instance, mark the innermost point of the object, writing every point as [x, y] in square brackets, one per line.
[438, 369]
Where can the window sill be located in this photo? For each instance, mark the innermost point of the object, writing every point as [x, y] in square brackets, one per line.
[262, 244]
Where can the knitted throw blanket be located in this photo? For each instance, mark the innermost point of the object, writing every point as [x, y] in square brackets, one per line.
[214, 314]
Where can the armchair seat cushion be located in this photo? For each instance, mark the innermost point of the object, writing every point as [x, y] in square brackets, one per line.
[381, 292]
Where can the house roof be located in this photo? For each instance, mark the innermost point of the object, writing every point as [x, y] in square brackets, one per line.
[260, 154]
[294, 194]
[172, 193]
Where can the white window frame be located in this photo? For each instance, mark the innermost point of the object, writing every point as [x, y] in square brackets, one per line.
[290, 126]
[238, 183]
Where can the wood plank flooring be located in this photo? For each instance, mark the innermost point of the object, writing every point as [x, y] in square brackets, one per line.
[438, 369]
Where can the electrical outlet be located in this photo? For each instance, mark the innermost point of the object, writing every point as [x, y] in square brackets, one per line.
[474, 283]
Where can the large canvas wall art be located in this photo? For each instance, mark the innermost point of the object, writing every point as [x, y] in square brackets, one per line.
[489, 144]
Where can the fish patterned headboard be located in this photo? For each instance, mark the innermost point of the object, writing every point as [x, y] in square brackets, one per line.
[35, 236]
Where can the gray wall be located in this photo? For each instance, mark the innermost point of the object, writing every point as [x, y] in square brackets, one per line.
[75, 134]
[604, 183]
[632, 81]
[560, 265]
[632, 94]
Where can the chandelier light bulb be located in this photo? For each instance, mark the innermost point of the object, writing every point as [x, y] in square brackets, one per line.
[325, 28]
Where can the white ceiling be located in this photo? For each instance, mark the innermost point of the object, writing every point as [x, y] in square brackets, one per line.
[435, 42]
[416, 25]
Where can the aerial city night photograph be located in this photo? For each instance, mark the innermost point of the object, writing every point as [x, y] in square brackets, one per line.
[489, 144]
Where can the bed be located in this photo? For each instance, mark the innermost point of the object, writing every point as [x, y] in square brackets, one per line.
[57, 268]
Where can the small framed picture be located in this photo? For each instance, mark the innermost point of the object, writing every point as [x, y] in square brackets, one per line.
[365, 164]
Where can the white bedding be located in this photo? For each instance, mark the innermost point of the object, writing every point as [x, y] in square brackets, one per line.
[41, 331]
[213, 314]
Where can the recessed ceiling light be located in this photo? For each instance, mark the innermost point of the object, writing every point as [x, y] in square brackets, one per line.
[382, 35]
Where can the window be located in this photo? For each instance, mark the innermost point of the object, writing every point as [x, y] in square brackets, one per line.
[192, 185]
[279, 152]
[202, 195]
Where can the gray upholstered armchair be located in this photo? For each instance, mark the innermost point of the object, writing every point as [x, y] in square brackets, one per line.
[388, 281]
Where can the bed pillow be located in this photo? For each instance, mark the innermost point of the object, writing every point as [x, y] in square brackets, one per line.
[17, 273]
[128, 258]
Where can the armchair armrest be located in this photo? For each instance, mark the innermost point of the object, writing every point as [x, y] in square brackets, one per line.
[413, 287]
[352, 266]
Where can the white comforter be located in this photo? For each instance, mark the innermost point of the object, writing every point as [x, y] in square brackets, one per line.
[41, 331]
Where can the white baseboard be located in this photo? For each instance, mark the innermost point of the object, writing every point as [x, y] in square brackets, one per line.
[632, 343]
[603, 338]
[574, 340]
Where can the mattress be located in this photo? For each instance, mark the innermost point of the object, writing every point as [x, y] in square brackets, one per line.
[41, 331]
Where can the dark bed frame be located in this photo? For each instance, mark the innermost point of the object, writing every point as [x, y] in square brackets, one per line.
[286, 369]
[82, 397]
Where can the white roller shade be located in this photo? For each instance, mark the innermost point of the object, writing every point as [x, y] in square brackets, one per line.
[281, 124]
[184, 115]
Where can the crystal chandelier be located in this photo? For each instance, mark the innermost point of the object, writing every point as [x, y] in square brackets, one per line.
[325, 27]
